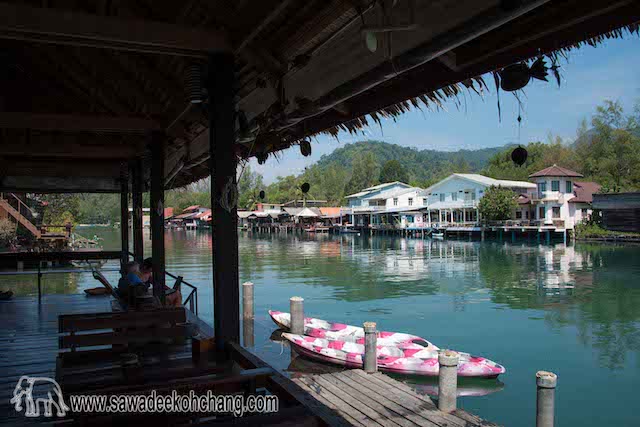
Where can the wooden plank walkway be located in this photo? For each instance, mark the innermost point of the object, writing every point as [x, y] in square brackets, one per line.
[29, 340]
[374, 400]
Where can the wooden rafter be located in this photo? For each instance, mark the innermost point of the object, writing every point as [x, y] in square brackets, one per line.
[75, 123]
[19, 22]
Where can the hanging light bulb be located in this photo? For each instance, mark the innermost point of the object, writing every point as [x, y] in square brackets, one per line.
[305, 148]
[262, 194]
[305, 187]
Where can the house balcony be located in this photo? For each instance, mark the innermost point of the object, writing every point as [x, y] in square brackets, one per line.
[367, 209]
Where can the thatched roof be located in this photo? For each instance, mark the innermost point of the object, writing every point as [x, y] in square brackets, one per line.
[83, 82]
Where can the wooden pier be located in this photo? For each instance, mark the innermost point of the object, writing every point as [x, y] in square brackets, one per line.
[376, 399]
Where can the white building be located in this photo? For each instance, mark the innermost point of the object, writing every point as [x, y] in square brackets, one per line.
[561, 200]
[371, 200]
[454, 200]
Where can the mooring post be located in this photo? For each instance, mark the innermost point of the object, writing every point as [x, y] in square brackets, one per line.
[447, 380]
[370, 361]
[482, 235]
[297, 315]
[546, 383]
[247, 314]
[20, 265]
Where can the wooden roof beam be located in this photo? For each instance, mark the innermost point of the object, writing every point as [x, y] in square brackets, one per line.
[76, 123]
[19, 22]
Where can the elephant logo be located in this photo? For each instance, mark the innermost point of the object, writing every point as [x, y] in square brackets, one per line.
[49, 395]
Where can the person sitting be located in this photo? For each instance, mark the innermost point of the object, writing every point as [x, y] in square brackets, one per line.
[172, 297]
[131, 285]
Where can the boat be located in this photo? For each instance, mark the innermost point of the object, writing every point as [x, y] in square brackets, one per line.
[318, 328]
[408, 359]
[437, 236]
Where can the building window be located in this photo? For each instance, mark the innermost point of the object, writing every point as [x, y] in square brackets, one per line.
[473, 195]
[541, 212]
[395, 201]
[556, 212]
[442, 197]
[526, 214]
[454, 196]
[518, 214]
[569, 187]
[555, 185]
[542, 187]
[425, 201]
[410, 201]
[585, 212]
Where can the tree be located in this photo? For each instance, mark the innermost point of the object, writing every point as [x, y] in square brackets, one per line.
[393, 171]
[249, 187]
[497, 204]
[364, 172]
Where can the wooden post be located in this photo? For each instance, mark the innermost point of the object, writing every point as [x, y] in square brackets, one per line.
[296, 325]
[546, 383]
[157, 212]
[247, 314]
[447, 380]
[39, 282]
[124, 221]
[137, 188]
[222, 164]
[20, 265]
[370, 362]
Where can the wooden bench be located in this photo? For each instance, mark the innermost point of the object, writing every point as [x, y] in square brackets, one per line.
[116, 332]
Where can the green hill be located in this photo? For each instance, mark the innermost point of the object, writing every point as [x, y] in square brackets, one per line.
[422, 166]
[358, 165]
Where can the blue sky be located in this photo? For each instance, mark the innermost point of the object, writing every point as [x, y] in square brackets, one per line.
[591, 75]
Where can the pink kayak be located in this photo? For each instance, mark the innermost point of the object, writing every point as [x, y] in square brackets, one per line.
[318, 328]
[412, 359]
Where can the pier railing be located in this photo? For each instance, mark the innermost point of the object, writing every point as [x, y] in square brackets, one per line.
[192, 298]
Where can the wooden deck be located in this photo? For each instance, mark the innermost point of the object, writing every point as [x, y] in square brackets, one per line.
[377, 400]
[29, 340]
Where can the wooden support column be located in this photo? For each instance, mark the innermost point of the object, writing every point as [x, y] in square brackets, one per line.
[223, 163]
[124, 220]
[157, 146]
[137, 188]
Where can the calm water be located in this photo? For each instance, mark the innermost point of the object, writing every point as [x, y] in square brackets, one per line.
[572, 310]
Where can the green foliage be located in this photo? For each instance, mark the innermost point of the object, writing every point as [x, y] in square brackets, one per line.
[497, 204]
[7, 233]
[364, 172]
[608, 153]
[393, 171]
[249, 187]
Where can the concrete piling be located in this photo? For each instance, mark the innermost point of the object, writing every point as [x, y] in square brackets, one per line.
[545, 405]
[247, 314]
[370, 347]
[297, 315]
[20, 266]
[447, 380]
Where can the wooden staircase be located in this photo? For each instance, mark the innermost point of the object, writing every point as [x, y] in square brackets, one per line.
[4, 204]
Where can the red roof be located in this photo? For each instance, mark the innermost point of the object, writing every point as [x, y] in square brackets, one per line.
[168, 212]
[584, 191]
[191, 208]
[556, 170]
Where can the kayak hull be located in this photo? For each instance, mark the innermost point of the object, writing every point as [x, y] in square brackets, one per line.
[407, 361]
[319, 328]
